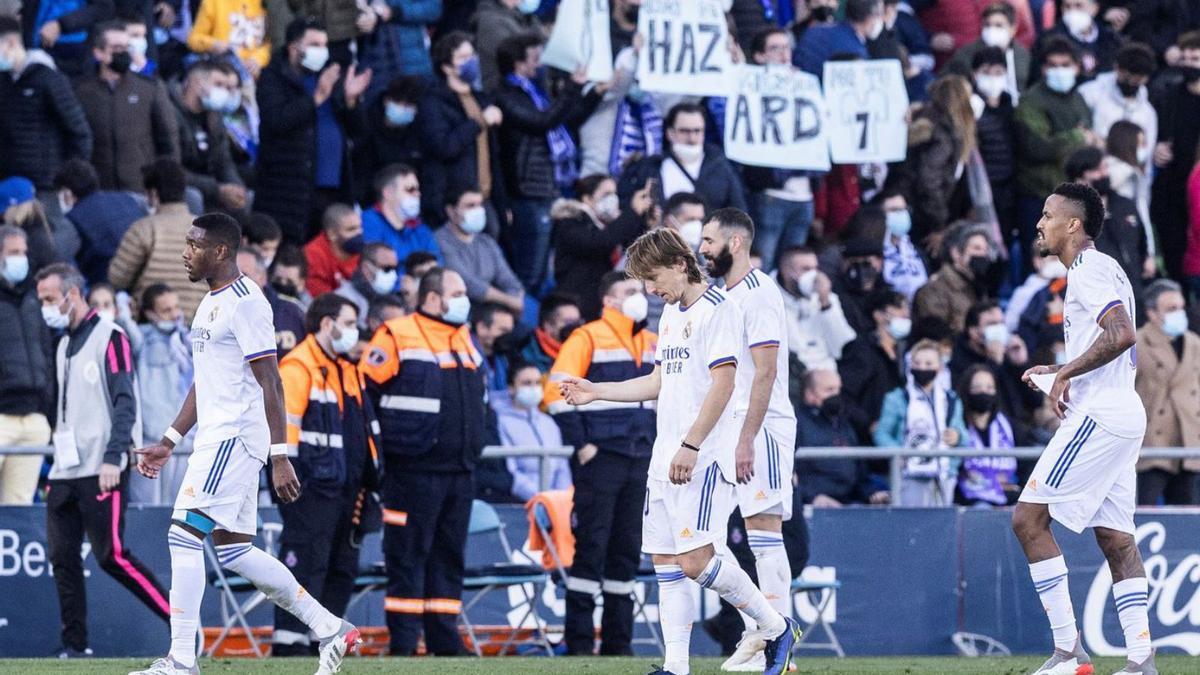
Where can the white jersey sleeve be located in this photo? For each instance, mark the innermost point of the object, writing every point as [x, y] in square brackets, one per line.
[253, 327]
[1097, 289]
[724, 335]
[763, 326]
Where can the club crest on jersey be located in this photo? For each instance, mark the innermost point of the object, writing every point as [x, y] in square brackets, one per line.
[687, 330]
[212, 316]
[376, 357]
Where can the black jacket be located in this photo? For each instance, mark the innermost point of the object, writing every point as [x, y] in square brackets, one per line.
[1016, 399]
[718, 184]
[1124, 238]
[41, 125]
[25, 362]
[525, 153]
[583, 252]
[868, 374]
[1098, 56]
[204, 150]
[927, 176]
[133, 124]
[846, 480]
[380, 145]
[996, 133]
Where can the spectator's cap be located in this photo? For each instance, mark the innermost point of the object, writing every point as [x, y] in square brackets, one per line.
[15, 190]
[862, 248]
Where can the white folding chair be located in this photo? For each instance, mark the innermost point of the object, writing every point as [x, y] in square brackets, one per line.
[820, 594]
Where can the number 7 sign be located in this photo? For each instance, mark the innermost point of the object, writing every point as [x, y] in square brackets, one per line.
[866, 102]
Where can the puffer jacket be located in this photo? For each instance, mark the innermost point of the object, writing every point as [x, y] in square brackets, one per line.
[400, 45]
[996, 133]
[928, 176]
[585, 251]
[41, 123]
[25, 365]
[525, 153]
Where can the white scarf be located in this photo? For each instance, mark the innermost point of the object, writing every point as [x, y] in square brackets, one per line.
[928, 415]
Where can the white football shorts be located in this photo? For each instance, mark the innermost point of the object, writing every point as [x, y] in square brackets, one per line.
[681, 518]
[770, 488]
[222, 483]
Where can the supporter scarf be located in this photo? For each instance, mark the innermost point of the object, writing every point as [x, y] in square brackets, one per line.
[562, 146]
[927, 417]
[983, 478]
[638, 131]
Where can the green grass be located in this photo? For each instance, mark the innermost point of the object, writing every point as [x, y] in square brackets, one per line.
[1175, 665]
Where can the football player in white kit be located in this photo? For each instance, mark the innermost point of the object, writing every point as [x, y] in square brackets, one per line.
[1086, 477]
[236, 405]
[764, 453]
[690, 492]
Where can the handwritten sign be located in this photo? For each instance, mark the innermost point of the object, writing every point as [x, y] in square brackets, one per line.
[581, 36]
[867, 102]
[776, 118]
[685, 50]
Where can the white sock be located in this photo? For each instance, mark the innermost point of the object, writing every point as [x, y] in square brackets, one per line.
[676, 608]
[1050, 580]
[735, 587]
[774, 572]
[187, 590]
[277, 583]
[1133, 608]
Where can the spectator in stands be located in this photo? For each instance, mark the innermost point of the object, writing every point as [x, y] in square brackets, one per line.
[261, 234]
[1122, 95]
[822, 422]
[390, 135]
[873, 363]
[628, 121]
[200, 104]
[558, 316]
[472, 253]
[1046, 271]
[376, 276]
[333, 254]
[817, 327]
[863, 21]
[398, 43]
[25, 370]
[998, 31]
[962, 279]
[494, 22]
[903, 266]
[1128, 160]
[139, 43]
[106, 302]
[1175, 156]
[131, 116]
[236, 28]
[457, 127]
[41, 130]
[901, 28]
[537, 152]
[996, 134]
[164, 376]
[991, 480]
[308, 112]
[343, 20]
[384, 309]
[1052, 121]
[591, 232]
[289, 275]
[101, 217]
[395, 220]
[813, 13]
[491, 324]
[61, 28]
[415, 267]
[861, 267]
[923, 415]
[148, 253]
[20, 207]
[521, 423]
[1168, 370]
[1096, 43]
[987, 342]
[290, 328]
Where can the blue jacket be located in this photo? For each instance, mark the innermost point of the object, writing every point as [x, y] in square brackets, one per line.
[893, 419]
[404, 242]
[821, 42]
[530, 428]
[398, 46]
[102, 219]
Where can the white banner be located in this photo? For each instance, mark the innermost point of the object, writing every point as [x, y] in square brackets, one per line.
[581, 36]
[867, 102]
[685, 49]
[776, 117]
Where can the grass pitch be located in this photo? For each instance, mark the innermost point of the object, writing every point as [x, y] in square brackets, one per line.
[1174, 665]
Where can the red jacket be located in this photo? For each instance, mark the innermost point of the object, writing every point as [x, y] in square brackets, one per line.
[325, 271]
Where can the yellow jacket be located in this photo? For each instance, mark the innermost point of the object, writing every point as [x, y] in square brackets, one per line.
[241, 23]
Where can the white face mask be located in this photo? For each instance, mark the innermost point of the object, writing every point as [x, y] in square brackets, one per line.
[384, 282]
[1077, 21]
[807, 283]
[899, 327]
[996, 332]
[457, 310]
[876, 29]
[474, 220]
[166, 326]
[109, 314]
[1061, 78]
[688, 153]
[529, 397]
[137, 47]
[343, 344]
[1143, 155]
[314, 58]
[1052, 268]
[16, 268]
[608, 208]
[55, 317]
[996, 36]
[410, 207]
[691, 231]
[1175, 323]
[63, 206]
[636, 307]
[991, 86]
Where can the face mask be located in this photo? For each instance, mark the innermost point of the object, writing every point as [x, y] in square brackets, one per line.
[1175, 323]
[899, 327]
[690, 231]
[138, 46]
[979, 266]
[1143, 155]
[529, 397]
[1102, 185]
[861, 275]
[354, 244]
[286, 288]
[822, 14]
[636, 307]
[314, 58]
[832, 407]
[978, 105]
[343, 344]
[63, 206]
[807, 283]
[1061, 79]
[899, 223]
[991, 86]
[1077, 21]
[232, 103]
[16, 268]
[161, 35]
[216, 99]
[399, 115]
[981, 403]
[474, 220]
[608, 208]
[384, 281]
[996, 332]
[55, 317]
[121, 61]
[923, 376]
[469, 70]
[166, 326]
[996, 36]
[410, 207]
[688, 153]
[876, 30]
[1052, 268]
[1060, 358]
[457, 310]
[528, 6]
[1128, 90]
[108, 314]
[567, 329]
[1190, 74]
[6, 63]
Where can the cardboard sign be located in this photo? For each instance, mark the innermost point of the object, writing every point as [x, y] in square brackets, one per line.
[685, 50]
[776, 118]
[581, 36]
[867, 102]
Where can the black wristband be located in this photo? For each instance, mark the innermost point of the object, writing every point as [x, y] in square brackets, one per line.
[689, 446]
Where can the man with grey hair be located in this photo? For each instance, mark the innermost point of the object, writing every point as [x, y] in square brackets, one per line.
[288, 317]
[1168, 372]
[962, 280]
[25, 386]
[90, 478]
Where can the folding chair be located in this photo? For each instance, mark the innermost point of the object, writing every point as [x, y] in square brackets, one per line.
[230, 585]
[820, 593]
[370, 578]
[482, 579]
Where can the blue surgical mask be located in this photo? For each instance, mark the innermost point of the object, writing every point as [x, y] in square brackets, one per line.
[457, 310]
[899, 223]
[528, 6]
[899, 327]
[469, 71]
[16, 268]
[474, 220]
[166, 326]
[399, 115]
[1175, 323]
[216, 99]
[1061, 79]
[529, 397]
[6, 63]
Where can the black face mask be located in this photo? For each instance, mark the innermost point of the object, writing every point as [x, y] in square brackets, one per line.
[631, 13]
[286, 288]
[861, 276]
[354, 244]
[979, 265]
[822, 14]
[567, 329]
[832, 407]
[923, 377]
[981, 403]
[1102, 185]
[1190, 74]
[1128, 90]
[121, 61]
[505, 344]
[720, 265]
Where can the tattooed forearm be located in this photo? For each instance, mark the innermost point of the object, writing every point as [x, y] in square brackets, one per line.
[1117, 337]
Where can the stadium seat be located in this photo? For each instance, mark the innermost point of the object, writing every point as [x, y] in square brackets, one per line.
[486, 533]
[229, 586]
[820, 593]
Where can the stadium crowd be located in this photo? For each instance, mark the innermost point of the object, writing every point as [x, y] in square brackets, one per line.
[404, 154]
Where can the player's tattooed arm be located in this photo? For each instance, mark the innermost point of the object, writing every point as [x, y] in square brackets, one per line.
[1116, 337]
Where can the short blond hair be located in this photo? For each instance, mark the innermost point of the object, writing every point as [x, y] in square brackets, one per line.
[659, 249]
[925, 344]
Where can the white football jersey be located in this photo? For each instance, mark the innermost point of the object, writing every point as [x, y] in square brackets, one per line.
[1096, 285]
[761, 303]
[691, 342]
[233, 326]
